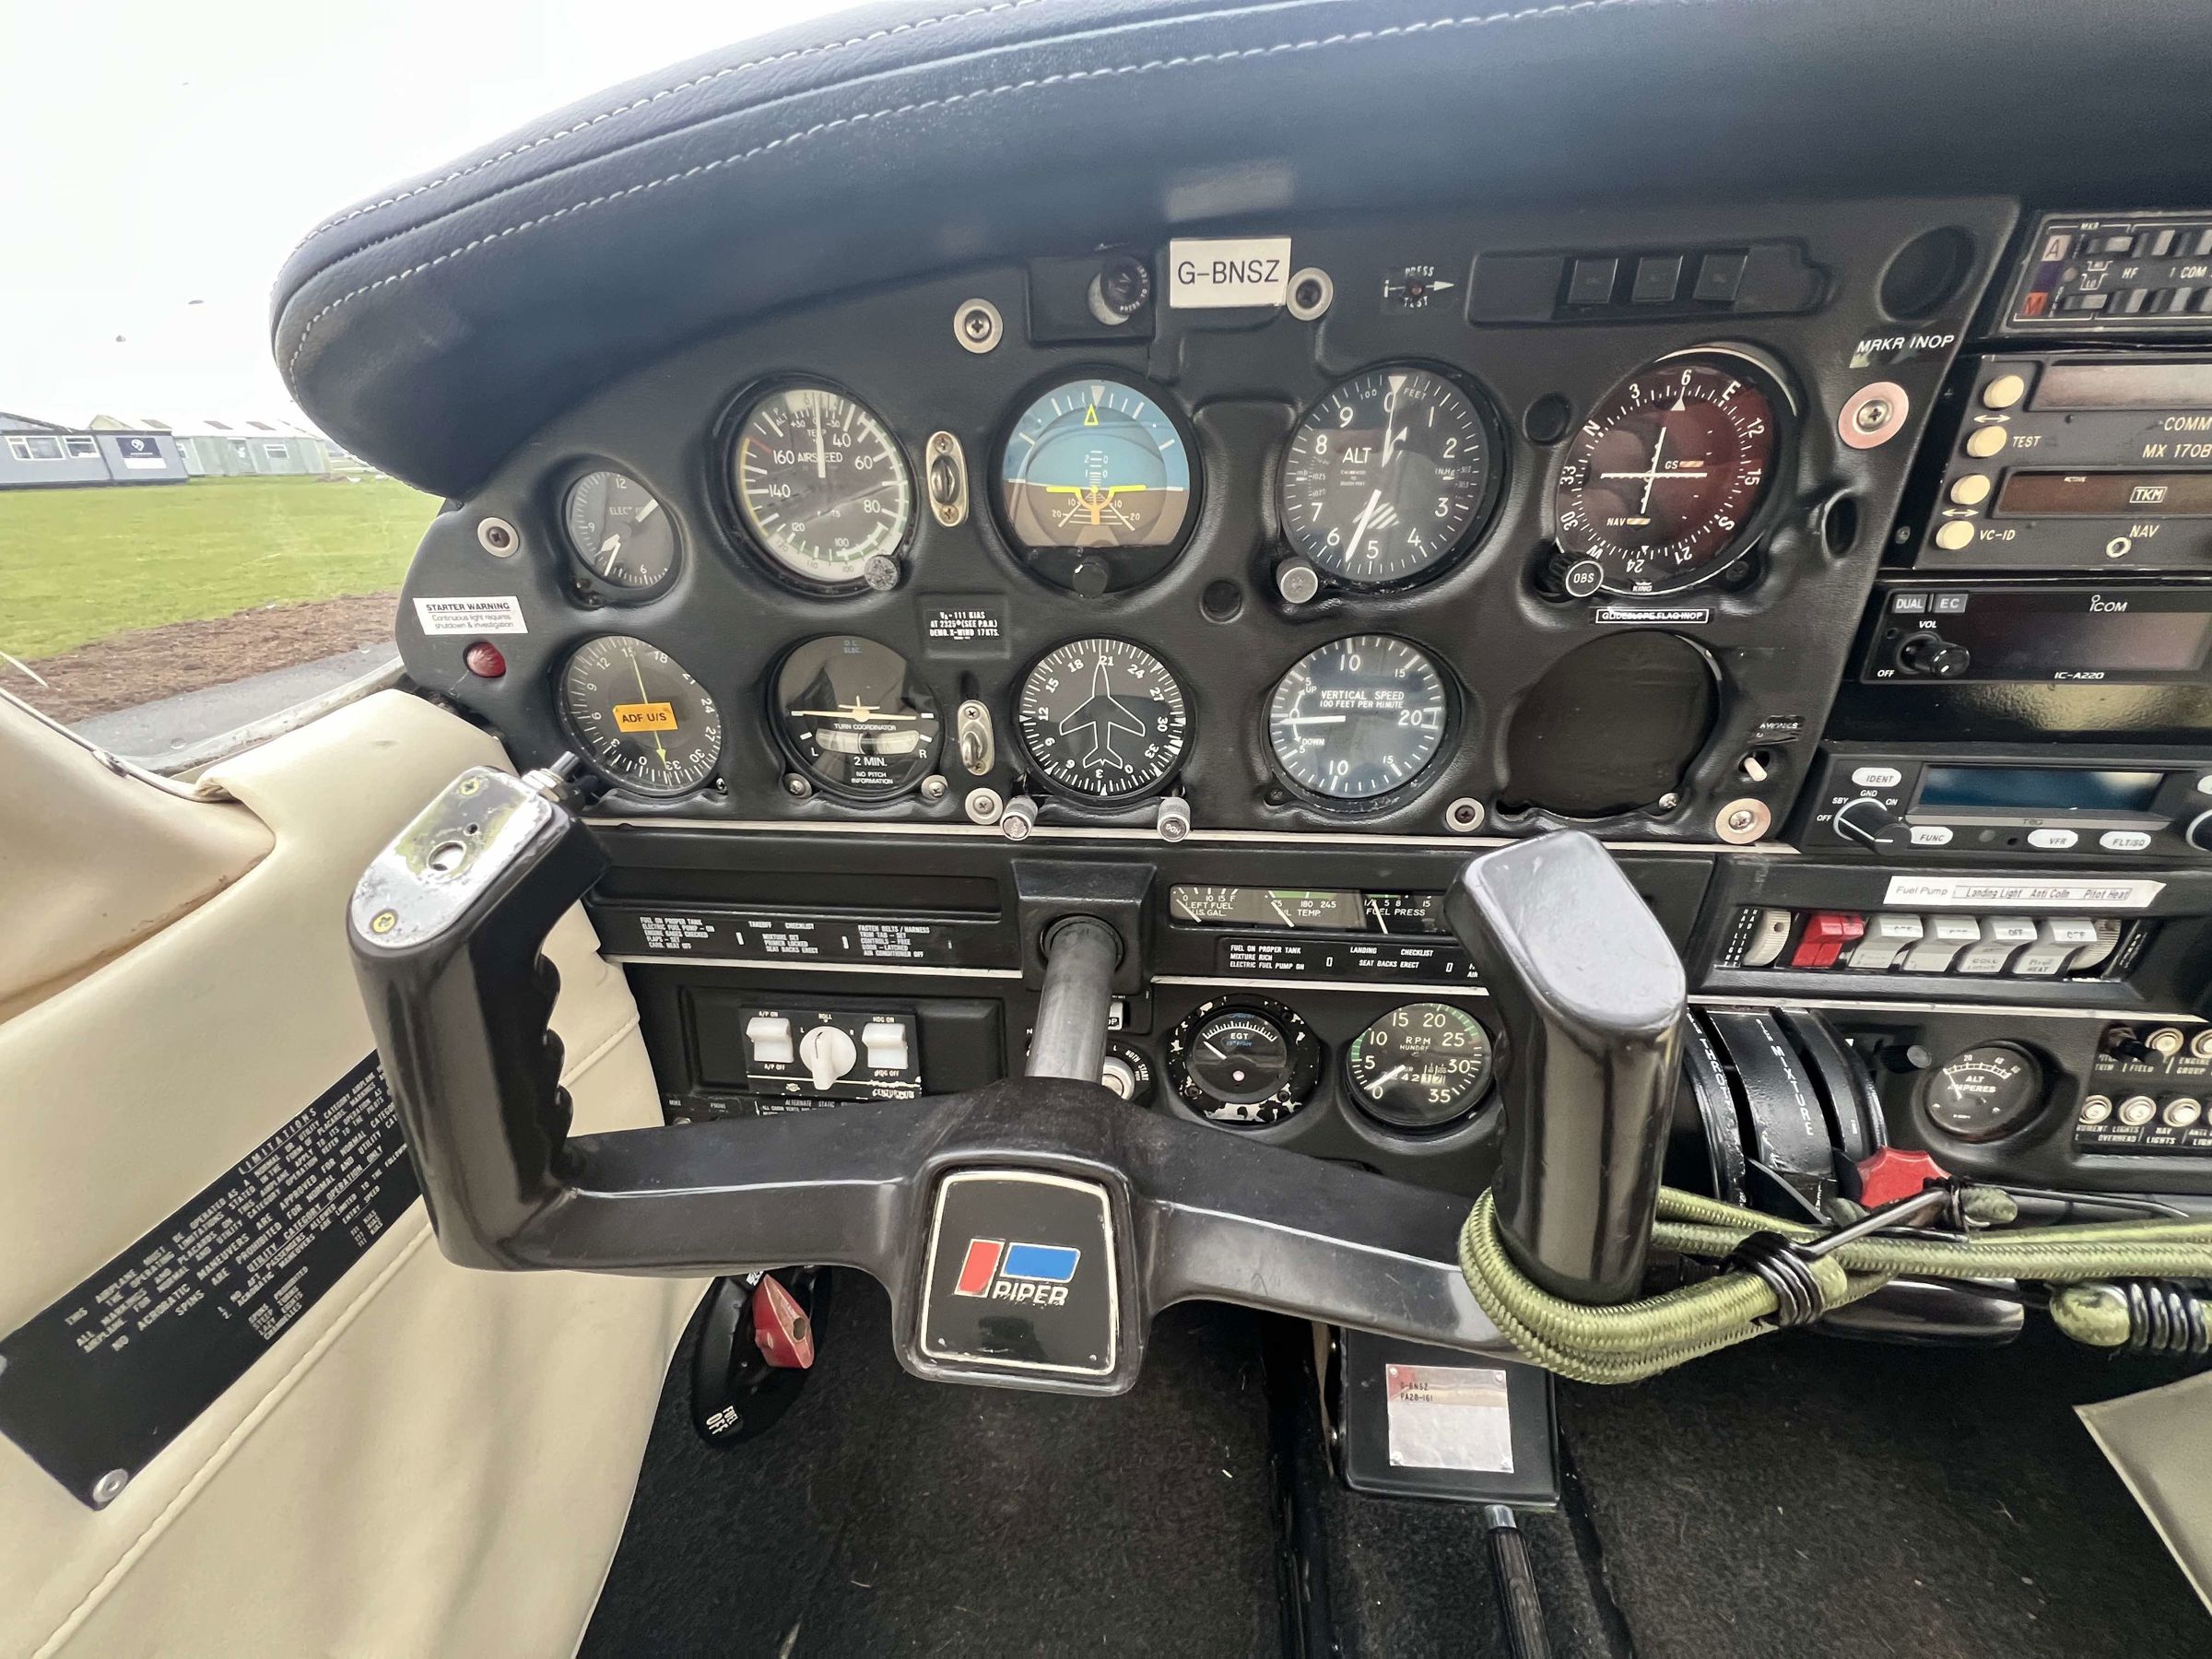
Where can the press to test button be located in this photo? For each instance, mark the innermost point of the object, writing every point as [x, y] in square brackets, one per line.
[2095, 1108]
[2138, 1111]
[2125, 840]
[2183, 1114]
[1985, 441]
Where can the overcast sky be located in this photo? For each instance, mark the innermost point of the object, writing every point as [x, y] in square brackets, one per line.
[163, 159]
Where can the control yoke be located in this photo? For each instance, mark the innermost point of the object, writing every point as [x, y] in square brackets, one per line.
[1133, 1210]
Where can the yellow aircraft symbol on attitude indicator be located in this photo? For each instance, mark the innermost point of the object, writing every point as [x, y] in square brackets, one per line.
[1094, 502]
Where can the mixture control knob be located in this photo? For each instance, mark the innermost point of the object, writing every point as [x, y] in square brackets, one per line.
[1932, 655]
[1862, 820]
[828, 1054]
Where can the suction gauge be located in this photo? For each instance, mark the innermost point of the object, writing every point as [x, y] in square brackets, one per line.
[1663, 483]
[856, 717]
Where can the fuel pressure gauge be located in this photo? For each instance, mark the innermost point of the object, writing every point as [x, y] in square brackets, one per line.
[1985, 1092]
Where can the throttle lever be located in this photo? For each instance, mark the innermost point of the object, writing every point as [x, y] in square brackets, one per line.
[1591, 996]
[446, 926]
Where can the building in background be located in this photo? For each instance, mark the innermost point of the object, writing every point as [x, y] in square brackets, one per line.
[35, 453]
[244, 446]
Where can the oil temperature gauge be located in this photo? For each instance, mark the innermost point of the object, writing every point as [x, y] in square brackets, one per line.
[1984, 1092]
[1244, 1061]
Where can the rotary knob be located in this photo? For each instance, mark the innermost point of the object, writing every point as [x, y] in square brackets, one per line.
[1863, 821]
[1932, 655]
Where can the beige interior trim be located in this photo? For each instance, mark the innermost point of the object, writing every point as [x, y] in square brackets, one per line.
[2161, 1441]
[69, 909]
[429, 1459]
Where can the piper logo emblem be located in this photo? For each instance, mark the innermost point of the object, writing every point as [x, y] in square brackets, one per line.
[1019, 1273]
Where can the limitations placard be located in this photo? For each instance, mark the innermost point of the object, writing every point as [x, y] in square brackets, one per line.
[108, 1375]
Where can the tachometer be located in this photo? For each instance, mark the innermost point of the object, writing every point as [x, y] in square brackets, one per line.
[1359, 719]
[1663, 483]
[617, 528]
[820, 483]
[856, 716]
[1420, 1066]
[643, 722]
[1094, 484]
[1388, 477]
[1102, 718]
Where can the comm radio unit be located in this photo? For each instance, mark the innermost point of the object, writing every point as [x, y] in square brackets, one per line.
[2075, 461]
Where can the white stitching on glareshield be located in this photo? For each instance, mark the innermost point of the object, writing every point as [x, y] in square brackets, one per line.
[1067, 78]
[916, 27]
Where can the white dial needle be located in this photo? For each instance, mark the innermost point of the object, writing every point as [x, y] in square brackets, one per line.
[1374, 498]
[645, 513]
[821, 450]
[1653, 477]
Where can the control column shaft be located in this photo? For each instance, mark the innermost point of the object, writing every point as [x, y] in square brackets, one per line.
[1080, 955]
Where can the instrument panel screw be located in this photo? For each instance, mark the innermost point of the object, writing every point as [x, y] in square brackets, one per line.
[498, 538]
[1310, 293]
[796, 787]
[881, 572]
[383, 921]
[977, 326]
[1464, 815]
[1743, 821]
[934, 787]
[984, 807]
[110, 1486]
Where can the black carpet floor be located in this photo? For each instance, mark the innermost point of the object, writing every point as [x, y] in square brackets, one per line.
[1798, 1496]
[888, 1516]
[1801, 1495]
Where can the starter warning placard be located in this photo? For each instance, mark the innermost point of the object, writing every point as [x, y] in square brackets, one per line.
[105, 1378]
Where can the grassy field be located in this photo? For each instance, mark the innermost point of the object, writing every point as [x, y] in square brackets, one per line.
[83, 564]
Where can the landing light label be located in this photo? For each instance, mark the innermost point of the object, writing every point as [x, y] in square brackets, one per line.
[1213, 272]
[2042, 895]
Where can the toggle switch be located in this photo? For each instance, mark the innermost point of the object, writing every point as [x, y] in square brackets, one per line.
[769, 1037]
[885, 1040]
